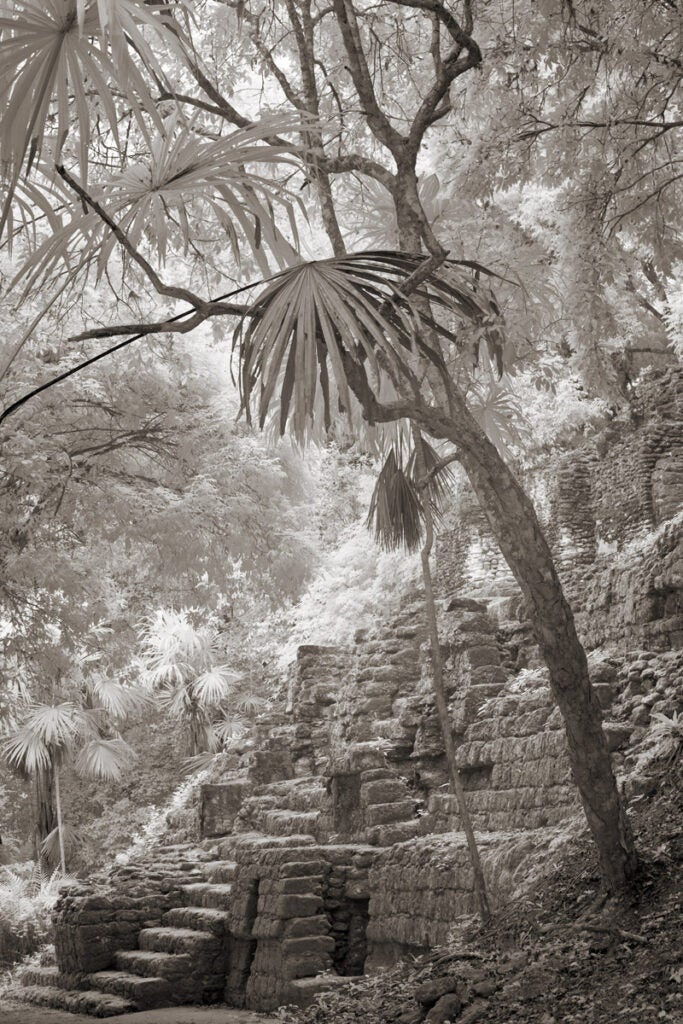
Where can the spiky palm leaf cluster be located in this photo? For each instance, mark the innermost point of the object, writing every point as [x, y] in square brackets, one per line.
[326, 336]
[55, 54]
[49, 733]
[405, 487]
[182, 665]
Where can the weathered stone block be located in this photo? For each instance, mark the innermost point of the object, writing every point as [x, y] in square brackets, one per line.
[383, 791]
[299, 927]
[297, 906]
[296, 948]
[383, 814]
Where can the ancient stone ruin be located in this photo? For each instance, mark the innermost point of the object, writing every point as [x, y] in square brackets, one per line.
[333, 846]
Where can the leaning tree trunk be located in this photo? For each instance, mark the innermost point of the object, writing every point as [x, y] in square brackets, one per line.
[442, 705]
[518, 532]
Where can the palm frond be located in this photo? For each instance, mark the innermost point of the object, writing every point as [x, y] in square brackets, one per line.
[199, 762]
[438, 479]
[104, 759]
[183, 179]
[225, 733]
[397, 510]
[396, 514]
[54, 725]
[499, 413]
[250, 703]
[54, 54]
[214, 685]
[320, 325]
[118, 700]
[73, 841]
[26, 751]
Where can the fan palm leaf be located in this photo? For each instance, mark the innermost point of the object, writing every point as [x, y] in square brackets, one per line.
[397, 505]
[159, 199]
[73, 840]
[316, 323]
[116, 699]
[104, 758]
[26, 752]
[214, 685]
[53, 54]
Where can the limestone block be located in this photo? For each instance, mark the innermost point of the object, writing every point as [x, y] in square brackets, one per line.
[297, 906]
[311, 884]
[382, 791]
[383, 814]
[305, 946]
[300, 927]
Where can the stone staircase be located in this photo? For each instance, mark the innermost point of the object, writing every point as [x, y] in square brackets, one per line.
[181, 959]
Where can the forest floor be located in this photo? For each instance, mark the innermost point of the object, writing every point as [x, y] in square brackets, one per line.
[561, 954]
[23, 1013]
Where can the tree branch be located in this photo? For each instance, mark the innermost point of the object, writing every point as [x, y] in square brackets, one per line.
[357, 66]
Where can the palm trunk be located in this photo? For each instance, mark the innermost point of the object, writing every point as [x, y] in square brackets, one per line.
[62, 857]
[442, 705]
[515, 526]
[44, 814]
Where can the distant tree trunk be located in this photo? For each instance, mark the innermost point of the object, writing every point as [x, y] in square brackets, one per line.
[44, 813]
[515, 526]
[60, 832]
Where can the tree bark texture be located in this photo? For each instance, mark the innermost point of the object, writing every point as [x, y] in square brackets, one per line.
[43, 794]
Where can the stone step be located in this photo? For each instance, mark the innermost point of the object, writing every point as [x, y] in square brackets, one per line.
[146, 993]
[208, 894]
[178, 940]
[203, 919]
[46, 977]
[220, 871]
[154, 964]
[90, 1002]
[303, 991]
[289, 823]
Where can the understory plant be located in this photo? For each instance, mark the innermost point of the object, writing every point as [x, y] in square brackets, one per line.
[27, 896]
[182, 664]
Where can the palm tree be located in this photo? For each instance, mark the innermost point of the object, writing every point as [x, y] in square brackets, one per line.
[181, 663]
[47, 736]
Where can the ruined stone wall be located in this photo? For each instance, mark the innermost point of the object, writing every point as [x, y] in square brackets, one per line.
[297, 911]
[419, 889]
[607, 496]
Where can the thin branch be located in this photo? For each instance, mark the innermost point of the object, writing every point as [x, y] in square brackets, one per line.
[661, 126]
[215, 307]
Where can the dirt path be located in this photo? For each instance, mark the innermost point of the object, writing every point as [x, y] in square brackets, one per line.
[23, 1013]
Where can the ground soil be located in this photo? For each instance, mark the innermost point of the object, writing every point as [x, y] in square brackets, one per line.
[23, 1013]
